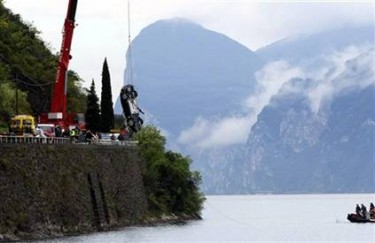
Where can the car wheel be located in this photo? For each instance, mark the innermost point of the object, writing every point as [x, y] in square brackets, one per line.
[130, 122]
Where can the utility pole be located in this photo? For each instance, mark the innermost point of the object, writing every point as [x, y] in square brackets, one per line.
[16, 100]
[16, 95]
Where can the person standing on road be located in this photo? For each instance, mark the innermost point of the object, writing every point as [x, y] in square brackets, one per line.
[121, 138]
[58, 131]
[89, 136]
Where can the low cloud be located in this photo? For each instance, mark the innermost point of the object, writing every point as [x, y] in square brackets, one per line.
[353, 67]
[207, 133]
[270, 79]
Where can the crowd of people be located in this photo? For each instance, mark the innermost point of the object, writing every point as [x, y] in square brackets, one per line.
[78, 135]
[362, 211]
[75, 134]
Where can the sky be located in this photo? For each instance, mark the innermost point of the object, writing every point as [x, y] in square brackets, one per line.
[102, 26]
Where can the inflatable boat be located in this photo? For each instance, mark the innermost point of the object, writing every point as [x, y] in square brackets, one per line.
[356, 218]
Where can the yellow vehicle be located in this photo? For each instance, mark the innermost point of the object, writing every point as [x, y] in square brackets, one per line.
[22, 124]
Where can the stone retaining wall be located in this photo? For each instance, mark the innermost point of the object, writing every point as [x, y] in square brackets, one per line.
[50, 190]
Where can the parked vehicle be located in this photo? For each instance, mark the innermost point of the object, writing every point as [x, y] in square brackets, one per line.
[22, 124]
[47, 129]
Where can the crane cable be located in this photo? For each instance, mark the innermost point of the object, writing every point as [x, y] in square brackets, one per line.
[129, 55]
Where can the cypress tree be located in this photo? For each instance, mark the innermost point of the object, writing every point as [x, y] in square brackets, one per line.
[106, 104]
[93, 110]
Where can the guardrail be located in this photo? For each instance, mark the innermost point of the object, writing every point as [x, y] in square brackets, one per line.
[31, 139]
[54, 140]
[114, 143]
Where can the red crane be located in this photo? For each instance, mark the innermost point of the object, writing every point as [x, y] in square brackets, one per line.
[57, 114]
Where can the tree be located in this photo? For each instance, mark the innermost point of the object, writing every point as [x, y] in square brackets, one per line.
[76, 97]
[8, 102]
[93, 110]
[170, 185]
[106, 104]
[26, 58]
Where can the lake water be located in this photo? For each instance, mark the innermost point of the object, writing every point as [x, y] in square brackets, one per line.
[258, 218]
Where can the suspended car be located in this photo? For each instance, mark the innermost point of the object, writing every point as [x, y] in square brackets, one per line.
[128, 96]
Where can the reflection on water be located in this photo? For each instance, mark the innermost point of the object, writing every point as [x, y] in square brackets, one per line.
[278, 218]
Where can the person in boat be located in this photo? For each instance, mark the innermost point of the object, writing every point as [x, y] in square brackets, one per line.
[363, 211]
[372, 211]
[358, 210]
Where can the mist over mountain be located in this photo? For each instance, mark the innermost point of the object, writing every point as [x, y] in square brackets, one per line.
[295, 116]
[295, 148]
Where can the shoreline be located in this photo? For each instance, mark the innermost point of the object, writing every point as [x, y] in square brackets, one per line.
[55, 232]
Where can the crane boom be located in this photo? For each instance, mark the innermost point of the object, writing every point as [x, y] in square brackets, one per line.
[58, 102]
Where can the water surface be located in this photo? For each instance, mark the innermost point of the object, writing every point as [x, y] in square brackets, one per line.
[258, 218]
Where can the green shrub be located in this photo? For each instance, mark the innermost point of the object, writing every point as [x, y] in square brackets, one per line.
[170, 185]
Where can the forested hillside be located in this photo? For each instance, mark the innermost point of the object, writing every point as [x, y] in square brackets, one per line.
[27, 70]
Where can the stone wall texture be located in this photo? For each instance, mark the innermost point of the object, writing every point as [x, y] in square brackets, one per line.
[51, 190]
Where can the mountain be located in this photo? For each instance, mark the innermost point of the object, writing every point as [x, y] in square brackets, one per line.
[292, 150]
[316, 134]
[183, 71]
